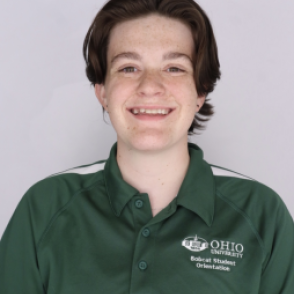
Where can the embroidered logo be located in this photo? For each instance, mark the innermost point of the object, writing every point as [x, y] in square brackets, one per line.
[222, 253]
[217, 247]
[195, 244]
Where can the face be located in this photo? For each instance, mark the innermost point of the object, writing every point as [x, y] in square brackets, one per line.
[149, 91]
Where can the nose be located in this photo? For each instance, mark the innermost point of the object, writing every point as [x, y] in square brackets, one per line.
[151, 84]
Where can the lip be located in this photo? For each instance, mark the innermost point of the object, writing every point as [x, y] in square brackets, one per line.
[148, 117]
[150, 107]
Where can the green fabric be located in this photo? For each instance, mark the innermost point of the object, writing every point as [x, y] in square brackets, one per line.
[88, 233]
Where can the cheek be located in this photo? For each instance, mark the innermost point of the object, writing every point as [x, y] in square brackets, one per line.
[188, 102]
[118, 87]
[187, 95]
[116, 96]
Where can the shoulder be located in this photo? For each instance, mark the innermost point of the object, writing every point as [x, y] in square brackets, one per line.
[261, 207]
[43, 200]
[67, 182]
[240, 188]
[60, 187]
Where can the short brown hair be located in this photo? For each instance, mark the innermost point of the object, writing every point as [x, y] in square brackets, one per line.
[205, 59]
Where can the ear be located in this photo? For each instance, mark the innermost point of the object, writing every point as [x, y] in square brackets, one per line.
[200, 102]
[100, 94]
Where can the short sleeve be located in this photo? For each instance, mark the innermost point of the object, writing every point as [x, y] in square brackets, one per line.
[19, 271]
[278, 272]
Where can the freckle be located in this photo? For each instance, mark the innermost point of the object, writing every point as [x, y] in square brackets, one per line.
[162, 183]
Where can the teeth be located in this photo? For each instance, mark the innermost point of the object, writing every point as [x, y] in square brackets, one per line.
[150, 111]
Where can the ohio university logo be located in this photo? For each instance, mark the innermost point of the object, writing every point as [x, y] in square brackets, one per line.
[195, 244]
[219, 247]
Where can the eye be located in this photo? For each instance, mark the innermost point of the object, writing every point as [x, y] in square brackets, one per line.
[174, 69]
[128, 69]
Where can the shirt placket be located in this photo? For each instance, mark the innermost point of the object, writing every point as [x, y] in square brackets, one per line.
[142, 280]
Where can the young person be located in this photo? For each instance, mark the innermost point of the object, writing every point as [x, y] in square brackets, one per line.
[154, 217]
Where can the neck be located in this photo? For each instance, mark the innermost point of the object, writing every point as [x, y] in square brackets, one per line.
[157, 173]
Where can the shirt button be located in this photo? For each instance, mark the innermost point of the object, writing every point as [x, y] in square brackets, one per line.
[146, 232]
[142, 265]
[139, 203]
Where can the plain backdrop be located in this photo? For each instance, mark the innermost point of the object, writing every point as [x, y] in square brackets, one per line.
[52, 121]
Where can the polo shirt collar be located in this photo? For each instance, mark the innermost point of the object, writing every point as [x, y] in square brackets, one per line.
[119, 191]
[197, 192]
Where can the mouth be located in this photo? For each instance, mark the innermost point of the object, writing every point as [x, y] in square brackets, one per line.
[150, 111]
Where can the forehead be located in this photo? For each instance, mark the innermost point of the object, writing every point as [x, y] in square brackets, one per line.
[152, 33]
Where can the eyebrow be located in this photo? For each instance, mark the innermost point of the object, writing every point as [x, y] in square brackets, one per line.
[136, 56]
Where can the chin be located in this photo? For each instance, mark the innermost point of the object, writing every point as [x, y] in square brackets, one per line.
[149, 143]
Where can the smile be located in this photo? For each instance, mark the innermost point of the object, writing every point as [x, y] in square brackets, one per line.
[150, 111]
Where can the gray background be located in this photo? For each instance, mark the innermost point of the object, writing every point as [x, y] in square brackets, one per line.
[51, 119]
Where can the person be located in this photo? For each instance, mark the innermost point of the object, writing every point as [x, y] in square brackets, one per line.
[154, 217]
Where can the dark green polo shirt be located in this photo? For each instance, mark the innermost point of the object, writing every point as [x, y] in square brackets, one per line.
[87, 231]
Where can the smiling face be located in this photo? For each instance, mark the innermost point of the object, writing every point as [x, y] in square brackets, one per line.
[149, 90]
